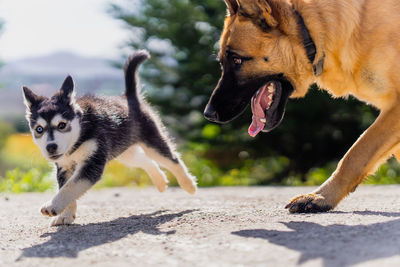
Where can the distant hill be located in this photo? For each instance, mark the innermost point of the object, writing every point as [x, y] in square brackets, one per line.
[46, 73]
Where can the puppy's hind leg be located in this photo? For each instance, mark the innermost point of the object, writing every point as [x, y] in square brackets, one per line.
[154, 140]
[175, 165]
[135, 157]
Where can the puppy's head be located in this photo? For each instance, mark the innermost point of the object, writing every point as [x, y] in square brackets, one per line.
[263, 62]
[54, 121]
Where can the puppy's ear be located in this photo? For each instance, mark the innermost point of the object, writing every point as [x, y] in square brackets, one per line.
[233, 6]
[30, 99]
[67, 89]
[260, 11]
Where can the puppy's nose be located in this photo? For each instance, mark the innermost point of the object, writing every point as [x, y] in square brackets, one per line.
[210, 113]
[51, 148]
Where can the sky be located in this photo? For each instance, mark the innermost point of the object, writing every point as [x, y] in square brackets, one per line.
[40, 27]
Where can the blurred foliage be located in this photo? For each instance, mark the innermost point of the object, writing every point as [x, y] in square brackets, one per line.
[19, 151]
[388, 173]
[182, 37]
[18, 181]
[117, 174]
[23, 168]
[28, 171]
[247, 171]
[6, 129]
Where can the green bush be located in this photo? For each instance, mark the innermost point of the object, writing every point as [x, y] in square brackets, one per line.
[388, 173]
[18, 181]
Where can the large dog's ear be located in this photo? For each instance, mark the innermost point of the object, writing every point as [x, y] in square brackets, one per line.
[260, 11]
[67, 89]
[30, 99]
[233, 6]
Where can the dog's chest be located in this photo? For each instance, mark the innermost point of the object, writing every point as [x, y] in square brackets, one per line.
[366, 85]
[80, 155]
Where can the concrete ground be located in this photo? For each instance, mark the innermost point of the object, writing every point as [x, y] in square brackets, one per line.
[241, 226]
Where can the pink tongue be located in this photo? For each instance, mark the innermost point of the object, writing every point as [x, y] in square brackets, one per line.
[258, 105]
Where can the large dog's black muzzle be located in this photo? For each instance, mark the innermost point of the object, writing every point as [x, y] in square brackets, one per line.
[229, 99]
[210, 113]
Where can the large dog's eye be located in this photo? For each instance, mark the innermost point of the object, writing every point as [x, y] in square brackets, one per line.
[39, 129]
[237, 60]
[61, 126]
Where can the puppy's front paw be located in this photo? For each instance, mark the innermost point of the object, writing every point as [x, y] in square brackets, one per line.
[48, 209]
[309, 203]
[63, 219]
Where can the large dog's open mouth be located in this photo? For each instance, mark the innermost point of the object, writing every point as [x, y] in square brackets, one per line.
[268, 96]
[268, 106]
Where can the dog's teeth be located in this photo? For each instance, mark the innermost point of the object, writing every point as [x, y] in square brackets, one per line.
[263, 120]
[270, 97]
[270, 89]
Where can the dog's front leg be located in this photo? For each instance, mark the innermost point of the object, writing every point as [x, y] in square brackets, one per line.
[64, 173]
[375, 145]
[84, 178]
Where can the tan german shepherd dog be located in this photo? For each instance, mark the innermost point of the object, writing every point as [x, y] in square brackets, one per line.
[271, 50]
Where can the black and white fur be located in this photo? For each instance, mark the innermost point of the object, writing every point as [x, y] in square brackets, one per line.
[80, 135]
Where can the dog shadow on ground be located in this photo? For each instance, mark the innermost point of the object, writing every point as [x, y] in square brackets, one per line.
[68, 241]
[337, 244]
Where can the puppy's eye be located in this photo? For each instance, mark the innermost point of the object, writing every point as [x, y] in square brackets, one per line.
[266, 59]
[237, 60]
[61, 126]
[39, 129]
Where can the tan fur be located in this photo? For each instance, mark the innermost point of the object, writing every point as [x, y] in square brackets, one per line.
[135, 157]
[179, 170]
[361, 43]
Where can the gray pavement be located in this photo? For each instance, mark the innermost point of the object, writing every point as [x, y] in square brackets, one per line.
[228, 226]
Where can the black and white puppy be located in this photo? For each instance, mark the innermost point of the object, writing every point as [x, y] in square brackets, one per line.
[80, 135]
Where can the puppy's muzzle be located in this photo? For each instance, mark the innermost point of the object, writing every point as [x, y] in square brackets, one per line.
[51, 148]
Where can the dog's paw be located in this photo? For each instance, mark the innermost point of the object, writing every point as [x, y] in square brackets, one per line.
[309, 203]
[63, 219]
[48, 209]
[189, 185]
[162, 185]
[159, 180]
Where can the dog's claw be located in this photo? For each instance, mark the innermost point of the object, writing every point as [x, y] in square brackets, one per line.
[48, 210]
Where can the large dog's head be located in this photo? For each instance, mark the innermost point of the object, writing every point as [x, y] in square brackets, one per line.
[263, 62]
[54, 121]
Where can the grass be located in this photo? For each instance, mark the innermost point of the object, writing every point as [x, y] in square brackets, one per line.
[24, 169]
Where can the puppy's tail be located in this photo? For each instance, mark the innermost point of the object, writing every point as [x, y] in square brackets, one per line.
[132, 90]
